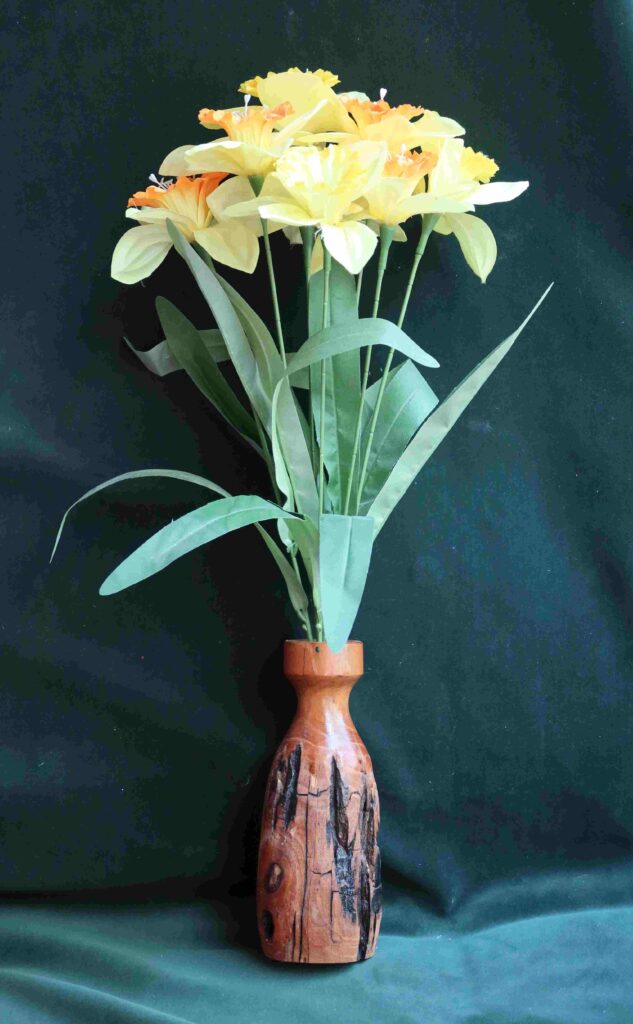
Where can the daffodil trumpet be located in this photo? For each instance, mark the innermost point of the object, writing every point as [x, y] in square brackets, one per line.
[344, 176]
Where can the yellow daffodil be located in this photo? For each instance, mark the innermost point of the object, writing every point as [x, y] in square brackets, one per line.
[196, 206]
[255, 138]
[392, 200]
[312, 186]
[462, 171]
[305, 91]
[400, 127]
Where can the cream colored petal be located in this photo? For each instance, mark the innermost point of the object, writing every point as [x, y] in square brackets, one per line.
[292, 234]
[498, 192]
[155, 215]
[139, 252]
[477, 242]
[426, 202]
[230, 156]
[316, 262]
[174, 163]
[286, 213]
[399, 234]
[352, 244]
[229, 193]
[442, 226]
[232, 244]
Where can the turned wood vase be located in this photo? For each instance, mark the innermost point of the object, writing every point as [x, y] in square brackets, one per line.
[319, 893]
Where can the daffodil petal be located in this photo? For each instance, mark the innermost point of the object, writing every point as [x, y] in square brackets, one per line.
[442, 226]
[229, 193]
[139, 251]
[498, 192]
[476, 241]
[155, 215]
[352, 244]
[286, 213]
[316, 262]
[231, 244]
[174, 163]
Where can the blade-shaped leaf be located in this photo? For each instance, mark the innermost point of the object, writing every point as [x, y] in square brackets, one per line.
[344, 556]
[228, 323]
[138, 474]
[342, 395]
[344, 338]
[259, 338]
[293, 467]
[188, 532]
[436, 427]
[406, 403]
[188, 348]
[159, 359]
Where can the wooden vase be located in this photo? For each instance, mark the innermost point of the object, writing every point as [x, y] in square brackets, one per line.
[319, 894]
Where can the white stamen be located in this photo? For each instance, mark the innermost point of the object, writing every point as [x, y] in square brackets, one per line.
[383, 93]
[163, 183]
[247, 99]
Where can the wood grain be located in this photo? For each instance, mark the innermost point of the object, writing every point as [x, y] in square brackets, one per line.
[319, 893]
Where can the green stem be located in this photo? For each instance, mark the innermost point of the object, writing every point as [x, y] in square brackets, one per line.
[428, 223]
[327, 262]
[307, 235]
[273, 290]
[359, 285]
[386, 238]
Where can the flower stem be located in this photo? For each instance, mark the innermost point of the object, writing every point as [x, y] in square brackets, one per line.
[386, 238]
[427, 226]
[327, 262]
[359, 285]
[273, 291]
[307, 236]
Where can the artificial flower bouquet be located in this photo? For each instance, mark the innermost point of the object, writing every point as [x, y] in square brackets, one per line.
[344, 177]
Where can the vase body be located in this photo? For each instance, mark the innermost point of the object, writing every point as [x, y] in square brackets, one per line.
[319, 893]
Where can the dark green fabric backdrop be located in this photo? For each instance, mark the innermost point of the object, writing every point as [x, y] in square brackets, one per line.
[136, 731]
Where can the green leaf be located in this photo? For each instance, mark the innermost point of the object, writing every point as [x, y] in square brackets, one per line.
[406, 403]
[293, 466]
[187, 533]
[342, 395]
[138, 474]
[436, 427]
[228, 322]
[188, 347]
[159, 359]
[344, 556]
[259, 338]
[349, 336]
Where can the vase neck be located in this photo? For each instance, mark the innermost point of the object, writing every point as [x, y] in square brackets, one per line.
[323, 682]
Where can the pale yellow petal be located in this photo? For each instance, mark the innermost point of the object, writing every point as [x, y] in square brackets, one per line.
[174, 163]
[230, 243]
[498, 192]
[286, 213]
[352, 244]
[316, 262]
[476, 240]
[139, 252]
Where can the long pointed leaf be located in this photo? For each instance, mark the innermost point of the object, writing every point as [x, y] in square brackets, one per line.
[349, 336]
[137, 474]
[187, 533]
[344, 556]
[188, 348]
[159, 359]
[406, 403]
[228, 323]
[437, 426]
[342, 396]
[292, 463]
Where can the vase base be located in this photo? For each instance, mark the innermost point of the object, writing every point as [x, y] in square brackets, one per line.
[322, 958]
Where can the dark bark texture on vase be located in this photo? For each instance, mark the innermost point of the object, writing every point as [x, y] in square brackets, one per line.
[319, 892]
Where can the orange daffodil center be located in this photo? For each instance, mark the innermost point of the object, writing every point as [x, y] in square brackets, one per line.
[307, 155]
